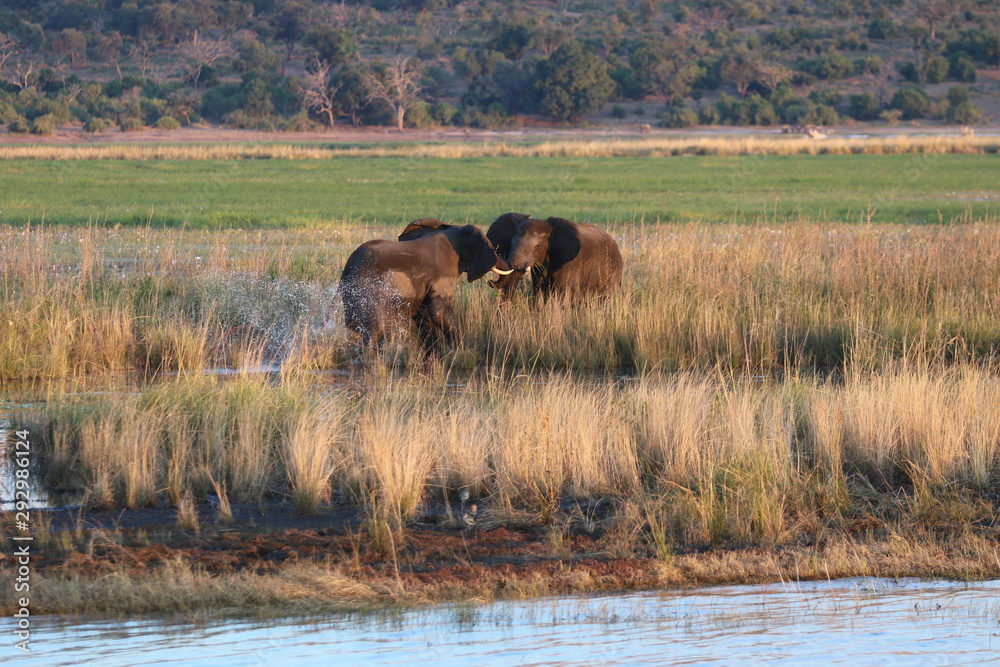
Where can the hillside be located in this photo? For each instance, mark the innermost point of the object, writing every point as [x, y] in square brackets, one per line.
[305, 64]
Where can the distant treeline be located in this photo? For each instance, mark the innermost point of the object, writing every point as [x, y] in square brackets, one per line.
[296, 64]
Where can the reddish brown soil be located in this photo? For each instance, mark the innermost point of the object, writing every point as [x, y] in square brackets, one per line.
[432, 553]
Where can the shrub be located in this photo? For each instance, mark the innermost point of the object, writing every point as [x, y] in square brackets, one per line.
[912, 101]
[44, 124]
[908, 72]
[46, 107]
[824, 115]
[957, 95]
[168, 123]
[443, 113]
[882, 28]
[962, 68]
[678, 116]
[938, 109]
[130, 124]
[755, 110]
[891, 116]
[868, 65]
[418, 116]
[8, 114]
[937, 70]
[709, 115]
[965, 113]
[300, 122]
[826, 96]
[95, 126]
[19, 125]
[618, 111]
[864, 107]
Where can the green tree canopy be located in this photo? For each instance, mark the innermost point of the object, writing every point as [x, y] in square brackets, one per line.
[573, 82]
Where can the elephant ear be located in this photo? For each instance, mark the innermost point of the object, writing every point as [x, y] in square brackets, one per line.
[501, 232]
[480, 252]
[422, 227]
[564, 243]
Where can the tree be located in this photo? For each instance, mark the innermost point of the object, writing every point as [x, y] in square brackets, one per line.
[512, 40]
[291, 24]
[352, 94]
[202, 52]
[183, 102]
[398, 84]
[9, 48]
[573, 82]
[319, 90]
[335, 46]
[932, 12]
[71, 43]
[16, 67]
[110, 47]
[772, 76]
[741, 67]
[548, 37]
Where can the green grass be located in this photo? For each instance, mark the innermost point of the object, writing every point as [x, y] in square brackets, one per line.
[909, 189]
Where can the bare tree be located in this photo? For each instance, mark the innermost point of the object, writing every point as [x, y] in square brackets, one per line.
[16, 66]
[9, 47]
[398, 84]
[202, 52]
[319, 91]
[145, 49]
[22, 73]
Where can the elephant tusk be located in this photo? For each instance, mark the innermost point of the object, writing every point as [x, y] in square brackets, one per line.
[501, 272]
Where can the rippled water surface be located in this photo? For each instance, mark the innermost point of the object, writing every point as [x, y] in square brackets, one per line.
[854, 622]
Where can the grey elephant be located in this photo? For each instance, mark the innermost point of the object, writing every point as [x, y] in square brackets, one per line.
[386, 284]
[565, 258]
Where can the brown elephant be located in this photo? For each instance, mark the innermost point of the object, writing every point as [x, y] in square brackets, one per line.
[576, 260]
[386, 284]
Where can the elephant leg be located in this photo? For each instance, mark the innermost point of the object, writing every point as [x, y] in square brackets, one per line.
[441, 322]
[425, 326]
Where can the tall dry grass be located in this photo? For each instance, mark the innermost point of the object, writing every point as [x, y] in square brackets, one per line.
[781, 299]
[717, 458]
[658, 146]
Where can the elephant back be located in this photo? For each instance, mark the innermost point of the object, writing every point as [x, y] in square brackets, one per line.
[422, 227]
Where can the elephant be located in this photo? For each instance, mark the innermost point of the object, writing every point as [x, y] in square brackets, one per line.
[421, 227]
[576, 260]
[386, 283]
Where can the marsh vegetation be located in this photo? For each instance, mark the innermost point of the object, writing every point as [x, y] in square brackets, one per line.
[775, 395]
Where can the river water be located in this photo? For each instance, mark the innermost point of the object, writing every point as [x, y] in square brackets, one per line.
[850, 622]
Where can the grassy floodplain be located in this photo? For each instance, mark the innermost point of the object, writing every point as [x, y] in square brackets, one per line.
[804, 393]
[908, 181]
